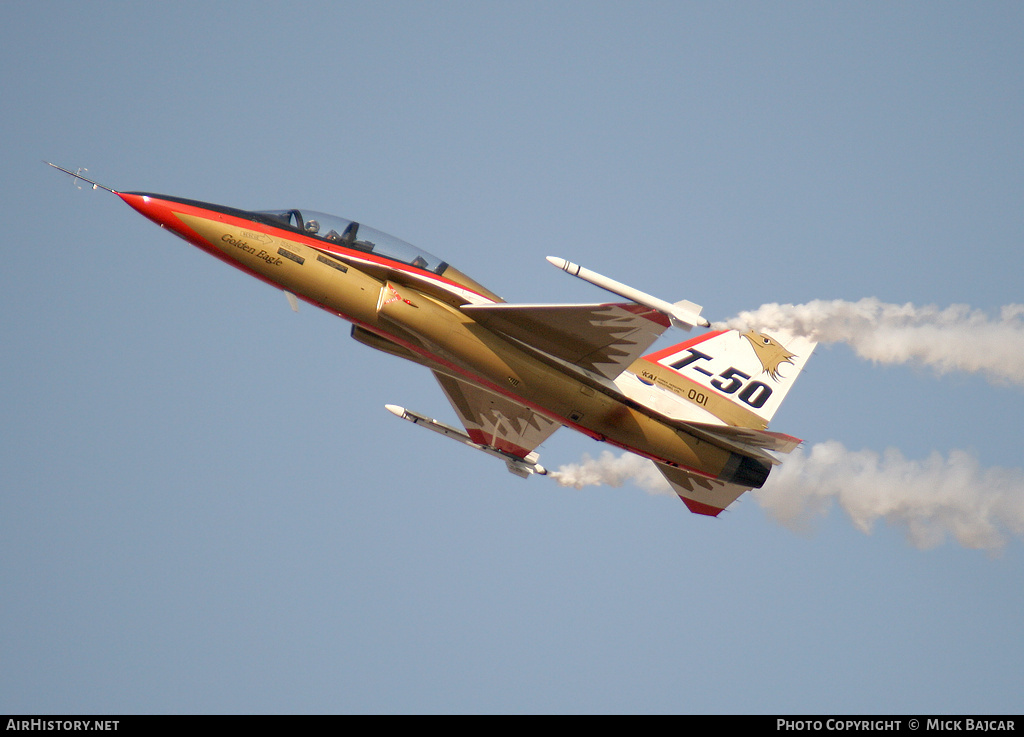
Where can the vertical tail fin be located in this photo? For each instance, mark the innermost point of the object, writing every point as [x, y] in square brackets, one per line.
[739, 378]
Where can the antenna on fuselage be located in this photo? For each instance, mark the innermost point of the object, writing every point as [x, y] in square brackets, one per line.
[77, 175]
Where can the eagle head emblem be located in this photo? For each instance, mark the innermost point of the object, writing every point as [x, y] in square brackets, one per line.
[770, 353]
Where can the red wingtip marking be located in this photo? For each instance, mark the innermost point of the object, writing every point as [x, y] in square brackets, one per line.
[700, 508]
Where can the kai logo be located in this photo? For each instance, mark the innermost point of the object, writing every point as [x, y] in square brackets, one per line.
[259, 237]
[770, 353]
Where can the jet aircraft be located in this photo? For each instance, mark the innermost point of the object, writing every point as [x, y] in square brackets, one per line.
[515, 373]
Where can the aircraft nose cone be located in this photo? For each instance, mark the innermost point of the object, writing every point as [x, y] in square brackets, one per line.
[160, 211]
[151, 207]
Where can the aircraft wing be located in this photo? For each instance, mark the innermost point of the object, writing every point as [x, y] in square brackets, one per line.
[601, 338]
[494, 421]
[701, 495]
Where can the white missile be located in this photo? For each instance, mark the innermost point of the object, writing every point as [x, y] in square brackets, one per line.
[519, 466]
[683, 314]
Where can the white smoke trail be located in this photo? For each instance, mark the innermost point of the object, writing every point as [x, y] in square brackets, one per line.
[931, 499]
[613, 470]
[957, 338]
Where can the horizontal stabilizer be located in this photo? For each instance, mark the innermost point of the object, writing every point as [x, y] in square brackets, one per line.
[744, 440]
[699, 494]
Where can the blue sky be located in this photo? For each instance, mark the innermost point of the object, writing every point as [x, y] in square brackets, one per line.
[206, 508]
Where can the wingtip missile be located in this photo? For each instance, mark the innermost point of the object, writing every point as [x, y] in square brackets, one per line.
[519, 466]
[561, 263]
[396, 410]
[683, 314]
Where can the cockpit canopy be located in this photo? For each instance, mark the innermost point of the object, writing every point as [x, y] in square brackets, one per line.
[339, 234]
[350, 234]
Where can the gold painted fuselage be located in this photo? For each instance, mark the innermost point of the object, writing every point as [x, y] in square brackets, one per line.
[415, 314]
